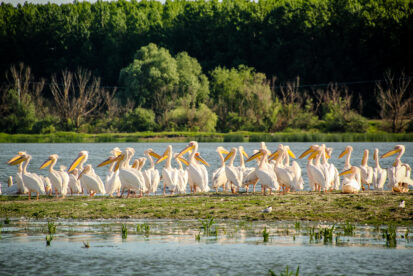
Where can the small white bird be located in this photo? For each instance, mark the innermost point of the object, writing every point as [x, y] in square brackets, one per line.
[267, 210]
[402, 204]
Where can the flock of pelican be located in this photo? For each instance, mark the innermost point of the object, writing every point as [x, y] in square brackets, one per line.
[272, 170]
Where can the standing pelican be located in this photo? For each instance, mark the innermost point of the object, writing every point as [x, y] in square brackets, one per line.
[74, 184]
[348, 150]
[266, 175]
[399, 176]
[151, 175]
[21, 189]
[182, 174]
[310, 165]
[350, 184]
[169, 174]
[234, 174]
[32, 181]
[58, 179]
[78, 162]
[379, 174]
[219, 177]
[249, 176]
[197, 172]
[92, 182]
[366, 170]
[333, 170]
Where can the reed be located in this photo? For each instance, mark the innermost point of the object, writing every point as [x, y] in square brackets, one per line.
[286, 272]
[390, 235]
[124, 232]
[51, 227]
[6, 220]
[348, 229]
[207, 225]
[143, 228]
[49, 239]
[265, 234]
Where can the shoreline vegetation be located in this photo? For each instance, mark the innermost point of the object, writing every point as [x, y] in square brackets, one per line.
[373, 208]
[185, 136]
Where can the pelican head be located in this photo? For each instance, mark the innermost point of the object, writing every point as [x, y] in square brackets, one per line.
[397, 149]
[352, 170]
[190, 147]
[289, 151]
[311, 149]
[347, 150]
[81, 158]
[17, 156]
[166, 154]
[116, 152]
[20, 159]
[231, 153]
[52, 158]
[365, 156]
[87, 169]
[181, 159]
[242, 151]
[200, 159]
[135, 164]
[151, 153]
[142, 162]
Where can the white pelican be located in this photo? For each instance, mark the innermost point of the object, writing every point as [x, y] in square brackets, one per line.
[197, 172]
[151, 175]
[348, 150]
[92, 182]
[248, 173]
[57, 178]
[169, 174]
[379, 174]
[219, 177]
[318, 172]
[266, 175]
[182, 174]
[32, 181]
[21, 189]
[234, 174]
[350, 184]
[365, 170]
[333, 171]
[78, 162]
[74, 184]
[310, 165]
[289, 177]
[112, 183]
[399, 176]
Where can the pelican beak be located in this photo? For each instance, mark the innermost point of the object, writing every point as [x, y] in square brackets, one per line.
[254, 156]
[166, 154]
[46, 163]
[135, 164]
[185, 150]
[224, 151]
[274, 155]
[18, 161]
[310, 150]
[82, 173]
[313, 155]
[343, 153]
[390, 153]
[326, 154]
[349, 171]
[291, 154]
[154, 154]
[110, 160]
[363, 160]
[183, 160]
[231, 153]
[200, 159]
[244, 153]
[76, 162]
[120, 158]
[14, 159]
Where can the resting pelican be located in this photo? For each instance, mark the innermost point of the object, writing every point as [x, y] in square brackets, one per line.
[234, 174]
[379, 174]
[289, 177]
[151, 175]
[92, 181]
[219, 177]
[169, 174]
[348, 150]
[333, 171]
[78, 162]
[248, 173]
[58, 179]
[266, 174]
[74, 184]
[365, 170]
[399, 177]
[350, 184]
[310, 165]
[182, 174]
[21, 189]
[32, 181]
[197, 172]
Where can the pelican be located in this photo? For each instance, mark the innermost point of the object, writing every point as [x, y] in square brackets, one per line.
[266, 175]
[74, 184]
[289, 177]
[399, 175]
[248, 173]
[234, 174]
[379, 174]
[310, 165]
[365, 170]
[112, 183]
[182, 174]
[151, 175]
[197, 172]
[92, 182]
[58, 178]
[32, 181]
[169, 174]
[350, 184]
[78, 162]
[347, 151]
[219, 177]
[333, 171]
[319, 173]
[21, 189]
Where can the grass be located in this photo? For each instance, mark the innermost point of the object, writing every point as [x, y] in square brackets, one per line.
[124, 231]
[51, 228]
[185, 136]
[374, 208]
[265, 234]
[49, 239]
[285, 272]
[390, 235]
[143, 228]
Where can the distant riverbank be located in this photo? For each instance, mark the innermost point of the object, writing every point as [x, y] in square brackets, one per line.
[185, 136]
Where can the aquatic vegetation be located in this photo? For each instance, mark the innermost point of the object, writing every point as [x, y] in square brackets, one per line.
[124, 231]
[207, 225]
[143, 228]
[51, 228]
[297, 225]
[286, 272]
[265, 234]
[49, 239]
[327, 234]
[198, 236]
[7, 220]
[348, 229]
[390, 236]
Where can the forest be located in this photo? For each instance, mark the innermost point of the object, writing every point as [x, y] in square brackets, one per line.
[268, 66]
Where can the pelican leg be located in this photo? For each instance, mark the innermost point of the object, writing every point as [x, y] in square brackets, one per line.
[37, 195]
[128, 193]
[164, 188]
[30, 194]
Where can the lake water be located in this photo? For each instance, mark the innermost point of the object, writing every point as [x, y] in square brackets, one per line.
[170, 248]
[100, 151]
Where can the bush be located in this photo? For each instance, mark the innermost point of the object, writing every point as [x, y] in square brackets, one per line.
[140, 119]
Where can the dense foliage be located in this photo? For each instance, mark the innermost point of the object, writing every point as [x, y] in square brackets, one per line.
[204, 65]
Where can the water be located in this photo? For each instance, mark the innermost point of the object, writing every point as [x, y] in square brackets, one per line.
[100, 151]
[171, 248]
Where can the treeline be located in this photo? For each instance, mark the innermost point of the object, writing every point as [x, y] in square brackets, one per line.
[241, 54]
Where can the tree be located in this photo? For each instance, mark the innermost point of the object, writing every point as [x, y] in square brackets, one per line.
[395, 100]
